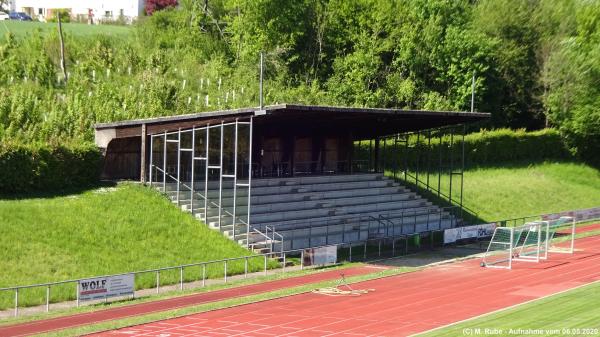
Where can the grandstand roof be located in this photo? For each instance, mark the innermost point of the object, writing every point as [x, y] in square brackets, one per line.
[362, 122]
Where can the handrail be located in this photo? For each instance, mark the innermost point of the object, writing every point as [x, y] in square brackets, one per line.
[177, 267]
[447, 197]
[170, 176]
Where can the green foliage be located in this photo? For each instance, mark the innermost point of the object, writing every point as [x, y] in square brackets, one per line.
[535, 63]
[104, 231]
[64, 13]
[515, 190]
[573, 80]
[492, 148]
[42, 167]
[482, 149]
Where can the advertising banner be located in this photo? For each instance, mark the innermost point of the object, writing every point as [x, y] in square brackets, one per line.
[320, 256]
[103, 287]
[469, 232]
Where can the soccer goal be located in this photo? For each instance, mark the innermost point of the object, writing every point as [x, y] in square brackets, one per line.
[529, 243]
[532, 243]
[561, 234]
[501, 248]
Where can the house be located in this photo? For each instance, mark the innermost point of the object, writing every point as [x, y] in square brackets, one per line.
[92, 11]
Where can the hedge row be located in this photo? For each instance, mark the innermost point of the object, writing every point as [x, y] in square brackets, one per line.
[43, 167]
[483, 148]
[487, 148]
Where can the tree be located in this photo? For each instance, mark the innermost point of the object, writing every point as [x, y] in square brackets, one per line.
[156, 5]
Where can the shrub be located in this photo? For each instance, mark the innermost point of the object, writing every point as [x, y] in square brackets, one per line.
[43, 167]
[487, 148]
[483, 148]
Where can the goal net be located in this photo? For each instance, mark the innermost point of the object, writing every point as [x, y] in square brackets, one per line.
[529, 243]
[531, 246]
[562, 235]
[500, 250]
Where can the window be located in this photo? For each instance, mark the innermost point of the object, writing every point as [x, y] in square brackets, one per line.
[108, 14]
[40, 11]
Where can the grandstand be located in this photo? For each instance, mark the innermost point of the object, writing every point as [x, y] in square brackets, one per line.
[296, 176]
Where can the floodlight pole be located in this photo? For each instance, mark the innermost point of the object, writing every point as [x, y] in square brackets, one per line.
[260, 84]
[473, 93]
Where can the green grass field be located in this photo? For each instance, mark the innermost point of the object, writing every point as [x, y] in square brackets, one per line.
[572, 313]
[21, 29]
[104, 231]
[511, 191]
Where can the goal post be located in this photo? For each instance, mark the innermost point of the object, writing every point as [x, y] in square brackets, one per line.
[529, 243]
[533, 246]
[562, 235]
[500, 249]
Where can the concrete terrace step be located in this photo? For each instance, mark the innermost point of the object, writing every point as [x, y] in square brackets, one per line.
[278, 190]
[331, 211]
[312, 210]
[304, 196]
[290, 181]
[346, 218]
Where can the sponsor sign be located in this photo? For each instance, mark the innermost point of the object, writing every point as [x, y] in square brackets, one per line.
[579, 215]
[320, 256]
[468, 232]
[103, 287]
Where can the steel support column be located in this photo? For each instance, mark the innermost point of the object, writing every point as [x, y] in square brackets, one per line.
[165, 164]
[151, 158]
[249, 183]
[206, 173]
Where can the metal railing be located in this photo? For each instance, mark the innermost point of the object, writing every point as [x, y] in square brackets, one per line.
[279, 260]
[361, 227]
[270, 240]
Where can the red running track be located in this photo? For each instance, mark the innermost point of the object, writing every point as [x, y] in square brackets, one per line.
[58, 323]
[587, 228]
[400, 305]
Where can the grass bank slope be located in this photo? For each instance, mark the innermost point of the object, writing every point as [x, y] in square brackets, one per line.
[519, 190]
[103, 231]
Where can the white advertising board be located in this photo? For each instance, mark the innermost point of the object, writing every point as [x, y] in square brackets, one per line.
[320, 256]
[469, 232]
[103, 287]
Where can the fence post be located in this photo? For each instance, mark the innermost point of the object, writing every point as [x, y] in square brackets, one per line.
[379, 247]
[284, 262]
[265, 264]
[225, 267]
[246, 267]
[157, 281]
[16, 302]
[181, 278]
[77, 292]
[47, 298]
[350, 253]
[393, 246]
[302, 259]
[203, 274]
[365, 251]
